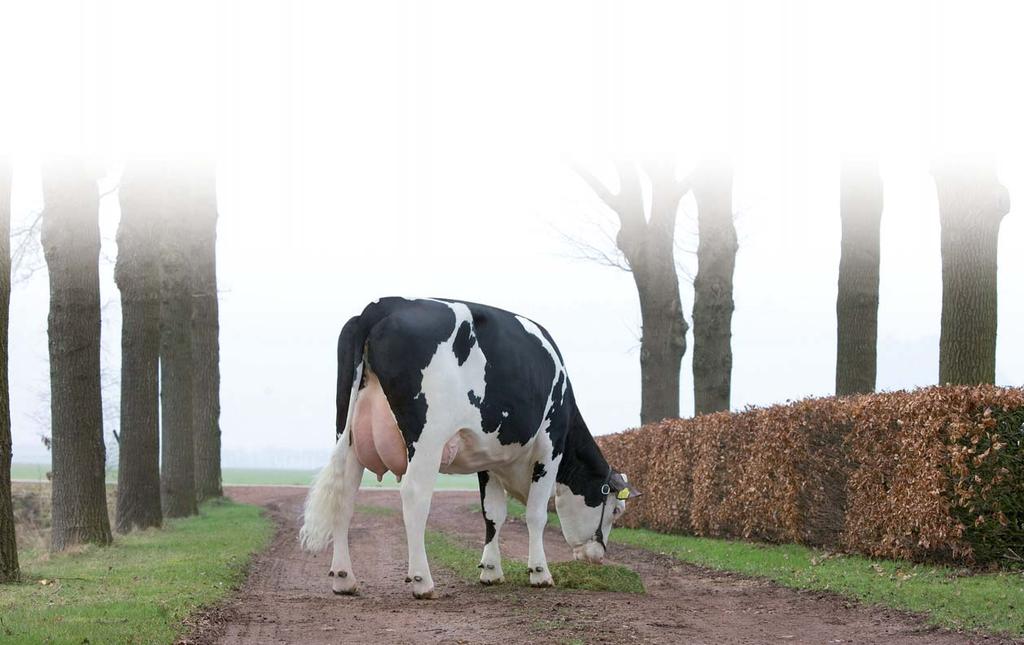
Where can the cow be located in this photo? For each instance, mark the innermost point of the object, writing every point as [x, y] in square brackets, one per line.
[437, 385]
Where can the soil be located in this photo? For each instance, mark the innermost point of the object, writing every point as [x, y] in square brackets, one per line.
[287, 599]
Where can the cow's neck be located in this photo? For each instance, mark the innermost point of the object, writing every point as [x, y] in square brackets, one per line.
[583, 467]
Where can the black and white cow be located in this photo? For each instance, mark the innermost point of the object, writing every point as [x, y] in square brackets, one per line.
[428, 386]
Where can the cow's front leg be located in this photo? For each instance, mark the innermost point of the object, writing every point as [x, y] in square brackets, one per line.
[343, 579]
[536, 520]
[494, 506]
[417, 490]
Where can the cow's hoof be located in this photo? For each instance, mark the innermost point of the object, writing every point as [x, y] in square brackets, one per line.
[541, 579]
[343, 586]
[429, 594]
[422, 587]
[491, 574]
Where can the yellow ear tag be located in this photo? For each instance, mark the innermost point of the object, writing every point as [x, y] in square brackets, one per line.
[623, 494]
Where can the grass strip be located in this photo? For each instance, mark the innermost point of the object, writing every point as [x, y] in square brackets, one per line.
[142, 589]
[949, 597]
[568, 575]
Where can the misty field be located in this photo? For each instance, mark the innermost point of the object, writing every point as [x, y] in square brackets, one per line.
[265, 477]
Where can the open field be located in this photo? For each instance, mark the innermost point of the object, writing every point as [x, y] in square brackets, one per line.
[143, 589]
[266, 477]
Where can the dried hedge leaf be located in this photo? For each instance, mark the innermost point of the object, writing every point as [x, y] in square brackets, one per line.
[933, 474]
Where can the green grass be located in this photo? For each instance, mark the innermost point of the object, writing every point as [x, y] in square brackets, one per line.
[268, 477]
[371, 509]
[31, 472]
[568, 575]
[990, 601]
[141, 589]
[517, 510]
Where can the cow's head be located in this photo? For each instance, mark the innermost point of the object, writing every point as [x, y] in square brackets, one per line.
[586, 514]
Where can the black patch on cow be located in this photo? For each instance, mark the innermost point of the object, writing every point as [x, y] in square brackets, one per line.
[583, 468]
[483, 477]
[538, 471]
[517, 376]
[404, 336]
[558, 419]
[464, 342]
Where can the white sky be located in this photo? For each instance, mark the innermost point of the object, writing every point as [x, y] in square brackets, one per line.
[415, 148]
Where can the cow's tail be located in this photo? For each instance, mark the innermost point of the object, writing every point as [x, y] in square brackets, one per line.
[324, 502]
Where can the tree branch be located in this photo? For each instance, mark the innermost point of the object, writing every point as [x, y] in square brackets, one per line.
[628, 203]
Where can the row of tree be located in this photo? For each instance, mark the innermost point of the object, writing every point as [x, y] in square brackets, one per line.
[169, 439]
[972, 204]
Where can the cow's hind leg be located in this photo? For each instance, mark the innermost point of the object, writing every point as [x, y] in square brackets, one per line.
[494, 505]
[328, 511]
[343, 579]
[536, 519]
[417, 489]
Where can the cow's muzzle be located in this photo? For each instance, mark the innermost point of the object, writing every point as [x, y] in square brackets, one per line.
[591, 551]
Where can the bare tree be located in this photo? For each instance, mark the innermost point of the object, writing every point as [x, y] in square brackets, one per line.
[712, 288]
[648, 244]
[137, 275]
[8, 546]
[177, 477]
[860, 208]
[205, 336]
[972, 204]
[71, 246]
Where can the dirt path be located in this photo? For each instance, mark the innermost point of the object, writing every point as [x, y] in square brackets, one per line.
[287, 599]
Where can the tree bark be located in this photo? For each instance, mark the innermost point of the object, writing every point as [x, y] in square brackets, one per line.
[712, 289]
[205, 338]
[648, 246]
[8, 546]
[860, 209]
[71, 245]
[177, 477]
[137, 276]
[972, 204]
[663, 340]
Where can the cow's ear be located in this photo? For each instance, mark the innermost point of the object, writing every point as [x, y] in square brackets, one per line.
[623, 489]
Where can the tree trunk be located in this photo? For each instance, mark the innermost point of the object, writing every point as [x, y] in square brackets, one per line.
[71, 245]
[205, 339]
[137, 276]
[177, 478]
[972, 204]
[860, 208]
[648, 244]
[712, 289]
[663, 340]
[8, 546]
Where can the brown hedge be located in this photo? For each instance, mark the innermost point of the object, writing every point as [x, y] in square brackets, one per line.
[932, 474]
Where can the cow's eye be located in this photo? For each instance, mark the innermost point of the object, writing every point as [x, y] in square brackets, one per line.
[616, 511]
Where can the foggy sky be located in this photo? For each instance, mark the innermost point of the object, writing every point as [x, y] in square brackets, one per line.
[401, 148]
